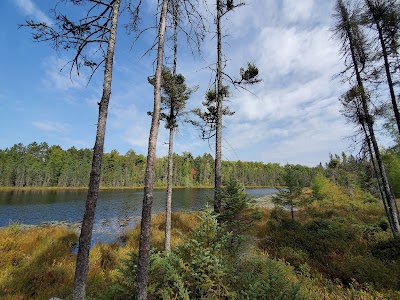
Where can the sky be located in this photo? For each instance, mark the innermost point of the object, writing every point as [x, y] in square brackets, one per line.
[292, 116]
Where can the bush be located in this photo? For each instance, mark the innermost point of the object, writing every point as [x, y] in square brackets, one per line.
[235, 202]
[263, 278]
[198, 269]
[388, 251]
[317, 185]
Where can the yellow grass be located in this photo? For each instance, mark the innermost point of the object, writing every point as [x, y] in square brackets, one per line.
[182, 224]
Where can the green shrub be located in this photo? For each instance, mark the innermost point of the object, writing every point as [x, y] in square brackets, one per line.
[317, 185]
[235, 215]
[388, 251]
[198, 269]
[294, 256]
[262, 278]
[365, 269]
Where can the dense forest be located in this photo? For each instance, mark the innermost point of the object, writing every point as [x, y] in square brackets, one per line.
[41, 165]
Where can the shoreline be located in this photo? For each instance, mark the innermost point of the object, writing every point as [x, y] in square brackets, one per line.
[123, 222]
[55, 188]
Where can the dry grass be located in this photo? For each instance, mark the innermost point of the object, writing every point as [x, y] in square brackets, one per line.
[35, 262]
[182, 224]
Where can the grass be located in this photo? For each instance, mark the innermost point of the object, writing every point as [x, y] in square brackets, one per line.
[35, 262]
[182, 224]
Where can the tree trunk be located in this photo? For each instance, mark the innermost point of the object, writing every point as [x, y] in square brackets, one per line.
[168, 209]
[218, 134]
[144, 243]
[169, 192]
[371, 154]
[82, 260]
[372, 9]
[393, 214]
[391, 204]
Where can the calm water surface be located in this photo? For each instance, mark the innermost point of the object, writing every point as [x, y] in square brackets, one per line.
[115, 211]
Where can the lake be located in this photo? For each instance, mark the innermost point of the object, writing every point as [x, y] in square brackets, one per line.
[116, 209]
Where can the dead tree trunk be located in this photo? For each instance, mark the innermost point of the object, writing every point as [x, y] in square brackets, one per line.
[219, 98]
[168, 204]
[393, 215]
[374, 11]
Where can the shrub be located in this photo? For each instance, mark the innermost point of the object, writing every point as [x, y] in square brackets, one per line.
[263, 278]
[198, 269]
[235, 202]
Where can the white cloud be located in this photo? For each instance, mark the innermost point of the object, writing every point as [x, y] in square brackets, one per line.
[51, 126]
[28, 7]
[57, 76]
[295, 10]
[295, 117]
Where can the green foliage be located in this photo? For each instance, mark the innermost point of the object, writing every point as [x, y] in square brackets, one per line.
[392, 163]
[198, 269]
[175, 93]
[388, 250]
[207, 119]
[261, 278]
[296, 178]
[343, 235]
[234, 203]
[249, 75]
[317, 186]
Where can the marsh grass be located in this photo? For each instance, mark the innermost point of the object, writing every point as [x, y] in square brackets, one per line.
[35, 262]
[182, 224]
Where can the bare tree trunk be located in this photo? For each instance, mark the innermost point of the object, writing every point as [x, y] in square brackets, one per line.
[144, 243]
[371, 154]
[82, 260]
[372, 10]
[168, 206]
[391, 205]
[385, 184]
[348, 28]
[218, 134]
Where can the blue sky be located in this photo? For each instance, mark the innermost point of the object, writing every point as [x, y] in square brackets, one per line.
[292, 116]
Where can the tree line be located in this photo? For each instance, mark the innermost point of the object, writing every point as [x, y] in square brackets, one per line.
[43, 165]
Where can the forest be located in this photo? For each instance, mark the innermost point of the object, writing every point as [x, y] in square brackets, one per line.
[333, 232]
[41, 165]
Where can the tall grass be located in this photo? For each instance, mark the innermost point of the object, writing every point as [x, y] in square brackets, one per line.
[35, 263]
[182, 224]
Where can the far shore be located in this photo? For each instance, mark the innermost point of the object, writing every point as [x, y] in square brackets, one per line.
[49, 188]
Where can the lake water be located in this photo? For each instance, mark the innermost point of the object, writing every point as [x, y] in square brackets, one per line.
[116, 209]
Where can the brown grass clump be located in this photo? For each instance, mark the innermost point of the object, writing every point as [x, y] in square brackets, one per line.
[36, 263]
[182, 224]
